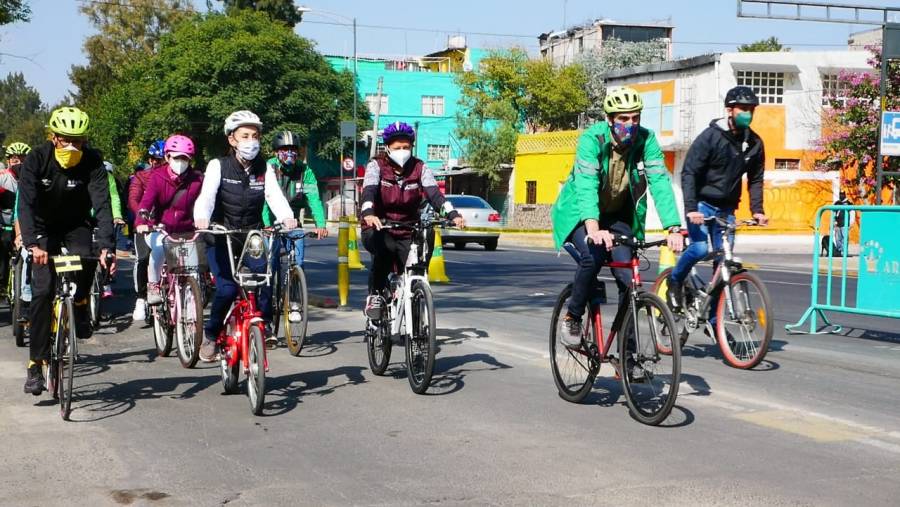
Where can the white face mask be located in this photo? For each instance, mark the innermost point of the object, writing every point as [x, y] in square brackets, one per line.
[248, 150]
[179, 165]
[400, 156]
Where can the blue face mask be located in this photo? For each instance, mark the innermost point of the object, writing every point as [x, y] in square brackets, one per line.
[624, 132]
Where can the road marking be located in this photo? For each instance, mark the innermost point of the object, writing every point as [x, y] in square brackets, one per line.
[816, 428]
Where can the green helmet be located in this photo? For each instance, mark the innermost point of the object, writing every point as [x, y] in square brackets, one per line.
[69, 121]
[17, 149]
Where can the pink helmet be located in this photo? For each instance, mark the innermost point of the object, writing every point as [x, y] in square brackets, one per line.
[180, 144]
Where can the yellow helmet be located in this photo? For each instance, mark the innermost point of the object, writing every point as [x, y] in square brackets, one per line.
[69, 121]
[622, 100]
[19, 149]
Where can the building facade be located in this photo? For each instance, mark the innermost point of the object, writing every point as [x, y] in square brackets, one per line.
[566, 46]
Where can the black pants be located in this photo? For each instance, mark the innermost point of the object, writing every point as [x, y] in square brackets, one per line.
[7, 247]
[386, 250]
[594, 257]
[43, 285]
[141, 265]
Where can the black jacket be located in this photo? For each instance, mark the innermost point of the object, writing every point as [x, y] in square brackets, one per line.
[715, 163]
[54, 201]
[241, 196]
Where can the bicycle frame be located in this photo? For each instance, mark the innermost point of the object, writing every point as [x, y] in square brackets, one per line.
[415, 270]
[604, 347]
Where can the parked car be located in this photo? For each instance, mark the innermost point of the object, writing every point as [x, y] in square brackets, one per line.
[478, 214]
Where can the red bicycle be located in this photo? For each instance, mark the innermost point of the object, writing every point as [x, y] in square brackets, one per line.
[242, 341]
[651, 369]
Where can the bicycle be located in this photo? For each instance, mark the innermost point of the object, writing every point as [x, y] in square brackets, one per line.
[101, 278]
[734, 307]
[410, 311]
[289, 293]
[20, 322]
[181, 311]
[242, 340]
[644, 327]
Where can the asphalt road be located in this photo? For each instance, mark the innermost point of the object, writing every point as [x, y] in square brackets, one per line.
[818, 423]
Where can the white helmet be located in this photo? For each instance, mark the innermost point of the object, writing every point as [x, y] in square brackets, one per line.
[241, 119]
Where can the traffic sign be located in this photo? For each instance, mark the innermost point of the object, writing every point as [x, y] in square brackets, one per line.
[347, 164]
[890, 133]
[348, 129]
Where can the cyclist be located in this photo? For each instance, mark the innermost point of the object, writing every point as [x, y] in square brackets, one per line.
[118, 219]
[60, 182]
[393, 189]
[606, 194]
[9, 177]
[711, 183]
[299, 184]
[168, 199]
[235, 187]
[136, 188]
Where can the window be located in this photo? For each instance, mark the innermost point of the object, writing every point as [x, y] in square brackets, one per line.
[468, 201]
[787, 164]
[432, 105]
[530, 192]
[833, 89]
[769, 86]
[439, 152]
[372, 101]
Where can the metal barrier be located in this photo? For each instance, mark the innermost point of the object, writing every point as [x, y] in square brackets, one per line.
[876, 274]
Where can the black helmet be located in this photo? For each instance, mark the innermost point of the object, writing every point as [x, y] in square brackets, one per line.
[741, 95]
[286, 138]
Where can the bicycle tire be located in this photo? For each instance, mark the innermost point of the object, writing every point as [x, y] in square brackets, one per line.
[18, 305]
[277, 293]
[750, 318]
[648, 405]
[379, 345]
[421, 343]
[189, 328]
[295, 297]
[95, 297]
[162, 329]
[230, 374]
[576, 390]
[65, 356]
[11, 288]
[256, 371]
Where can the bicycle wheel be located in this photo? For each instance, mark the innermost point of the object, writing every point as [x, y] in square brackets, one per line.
[230, 374]
[649, 378]
[95, 298]
[189, 329]
[421, 344]
[162, 327]
[660, 288]
[574, 371]
[277, 295]
[256, 372]
[294, 310]
[65, 359]
[18, 309]
[744, 329]
[378, 344]
[10, 288]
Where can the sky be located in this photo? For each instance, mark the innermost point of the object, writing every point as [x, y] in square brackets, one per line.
[46, 47]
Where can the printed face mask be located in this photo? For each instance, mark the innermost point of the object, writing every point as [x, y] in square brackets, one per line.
[248, 150]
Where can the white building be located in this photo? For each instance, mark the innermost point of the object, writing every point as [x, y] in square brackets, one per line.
[565, 46]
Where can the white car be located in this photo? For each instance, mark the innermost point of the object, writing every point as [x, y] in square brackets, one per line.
[478, 214]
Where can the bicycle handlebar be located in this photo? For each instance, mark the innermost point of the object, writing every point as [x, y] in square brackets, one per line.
[392, 224]
[634, 243]
[739, 223]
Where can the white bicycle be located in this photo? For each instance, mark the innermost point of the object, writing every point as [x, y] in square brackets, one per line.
[409, 312]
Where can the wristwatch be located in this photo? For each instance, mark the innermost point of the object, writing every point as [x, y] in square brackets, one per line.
[675, 229]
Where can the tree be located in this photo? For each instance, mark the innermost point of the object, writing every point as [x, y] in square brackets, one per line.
[127, 32]
[770, 45]
[851, 128]
[13, 10]
[616, 54]
[554, 96]
[23, 113]
[279, 10]
[214, 65]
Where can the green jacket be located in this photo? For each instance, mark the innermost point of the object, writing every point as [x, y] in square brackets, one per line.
[579, 198]
[114, 197]
[299, 190]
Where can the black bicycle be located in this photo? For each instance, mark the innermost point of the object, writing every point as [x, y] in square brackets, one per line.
[289, 294]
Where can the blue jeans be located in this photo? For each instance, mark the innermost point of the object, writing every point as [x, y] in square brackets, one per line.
[227, 288]
[699, 247]
[592, 258]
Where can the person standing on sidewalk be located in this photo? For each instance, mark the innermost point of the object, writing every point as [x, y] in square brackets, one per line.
[840, 220]
[711, 182]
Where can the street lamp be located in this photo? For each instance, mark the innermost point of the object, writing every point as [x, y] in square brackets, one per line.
[303, 9]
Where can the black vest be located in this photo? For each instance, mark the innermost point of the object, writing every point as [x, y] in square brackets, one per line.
[241, 195]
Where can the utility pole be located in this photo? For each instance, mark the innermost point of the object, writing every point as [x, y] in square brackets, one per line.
[374, 147]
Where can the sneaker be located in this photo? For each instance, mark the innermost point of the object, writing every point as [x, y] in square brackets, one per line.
[208, 351]
[674, 294]
[153, 295]
[34, 381]
[571, 332]
[271, 339]
[140, 310]
[374, 307]
[294, 314]
[107, 292]
[83, 328]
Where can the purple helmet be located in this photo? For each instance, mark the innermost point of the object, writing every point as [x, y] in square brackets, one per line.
[396, 130]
